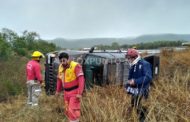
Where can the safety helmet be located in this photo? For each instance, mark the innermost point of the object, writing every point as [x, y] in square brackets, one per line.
[134, 47]
[36, 55]
[132, 53]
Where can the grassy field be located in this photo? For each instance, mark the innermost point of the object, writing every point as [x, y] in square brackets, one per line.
[169, 98]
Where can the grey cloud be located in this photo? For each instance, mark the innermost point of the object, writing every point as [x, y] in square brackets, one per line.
[95, 18]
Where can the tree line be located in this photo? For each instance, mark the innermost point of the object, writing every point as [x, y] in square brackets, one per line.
[147, 45]
[23, 45]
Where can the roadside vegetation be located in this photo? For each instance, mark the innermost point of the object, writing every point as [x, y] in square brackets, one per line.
[169, 97]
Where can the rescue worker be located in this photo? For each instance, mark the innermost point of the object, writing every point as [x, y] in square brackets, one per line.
[34, 78]
[71, 78]
[140, 76]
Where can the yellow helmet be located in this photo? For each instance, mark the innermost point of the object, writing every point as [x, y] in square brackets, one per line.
[134, 47]
[36, 55]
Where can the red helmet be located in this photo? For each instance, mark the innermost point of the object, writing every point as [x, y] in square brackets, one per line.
[132, 53]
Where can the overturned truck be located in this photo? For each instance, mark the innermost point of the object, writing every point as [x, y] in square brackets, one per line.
[99, 67]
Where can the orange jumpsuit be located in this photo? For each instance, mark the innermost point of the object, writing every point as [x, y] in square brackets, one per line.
[72, 81]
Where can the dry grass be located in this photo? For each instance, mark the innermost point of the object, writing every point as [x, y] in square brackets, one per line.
[169, 99]
[16, 110]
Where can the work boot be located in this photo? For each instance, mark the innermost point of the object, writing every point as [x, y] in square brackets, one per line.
[77, 120]
[142, 114]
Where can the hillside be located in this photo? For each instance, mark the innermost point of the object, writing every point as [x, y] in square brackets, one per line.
[82, 43]
[89, 42]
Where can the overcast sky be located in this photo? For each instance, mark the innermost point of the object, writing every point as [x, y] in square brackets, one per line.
[95, 18]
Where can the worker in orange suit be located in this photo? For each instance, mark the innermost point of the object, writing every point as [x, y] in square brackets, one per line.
[71, 79]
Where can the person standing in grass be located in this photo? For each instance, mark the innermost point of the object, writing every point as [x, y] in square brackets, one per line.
[71, 78]
[34, 78]
[140, 76]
